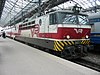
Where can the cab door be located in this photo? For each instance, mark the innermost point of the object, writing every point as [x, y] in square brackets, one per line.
[44, 25]
[53, 26]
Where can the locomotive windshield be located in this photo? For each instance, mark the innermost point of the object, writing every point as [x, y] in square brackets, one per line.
[68, 18]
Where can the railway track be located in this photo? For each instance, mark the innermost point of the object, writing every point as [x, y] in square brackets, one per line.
[80, 61]
[88, 64]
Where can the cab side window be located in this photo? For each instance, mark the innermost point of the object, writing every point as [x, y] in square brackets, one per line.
[52, 19]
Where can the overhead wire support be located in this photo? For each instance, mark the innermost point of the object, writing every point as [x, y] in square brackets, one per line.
[2, 3]
[39, 10]
[11, 9]
[41, 7]
[95, 9]
[13, 3]
[17, 13]
[21, 12]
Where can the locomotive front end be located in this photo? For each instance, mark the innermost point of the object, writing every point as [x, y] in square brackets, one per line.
[72, 48]
[74, 33]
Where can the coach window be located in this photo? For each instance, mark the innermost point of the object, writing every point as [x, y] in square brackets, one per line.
[33, 22]
[53, 19]
[26, 24]
[40, 22]
[15, 27]
[29, 23]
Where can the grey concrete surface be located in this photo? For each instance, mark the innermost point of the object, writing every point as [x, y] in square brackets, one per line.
[19, 59]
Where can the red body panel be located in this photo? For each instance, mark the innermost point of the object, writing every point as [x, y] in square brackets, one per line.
[62, 32]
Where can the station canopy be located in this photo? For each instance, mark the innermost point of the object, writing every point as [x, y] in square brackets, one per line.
[14, 8]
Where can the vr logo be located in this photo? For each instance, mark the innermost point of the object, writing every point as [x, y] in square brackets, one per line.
[78, 30]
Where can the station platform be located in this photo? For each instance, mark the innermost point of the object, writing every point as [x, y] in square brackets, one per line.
[19, 59]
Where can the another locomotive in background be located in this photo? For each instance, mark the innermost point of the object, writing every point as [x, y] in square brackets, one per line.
[94, 19]
[62, 32]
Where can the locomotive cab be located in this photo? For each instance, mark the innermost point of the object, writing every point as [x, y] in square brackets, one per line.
[68, 25]
[73, 31]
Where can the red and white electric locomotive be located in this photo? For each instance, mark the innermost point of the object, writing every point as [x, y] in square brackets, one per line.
[60, 31]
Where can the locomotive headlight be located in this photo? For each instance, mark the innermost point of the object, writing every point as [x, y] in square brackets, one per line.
[87, 36]
[68, 36]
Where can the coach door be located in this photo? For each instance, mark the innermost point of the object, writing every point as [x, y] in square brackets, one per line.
[53, 23]
[44, 23]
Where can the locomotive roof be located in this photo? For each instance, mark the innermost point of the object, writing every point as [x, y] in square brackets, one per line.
[94, 15]
[68, 11]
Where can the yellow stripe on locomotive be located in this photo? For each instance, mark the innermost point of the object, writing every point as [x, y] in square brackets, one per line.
[59, 45]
